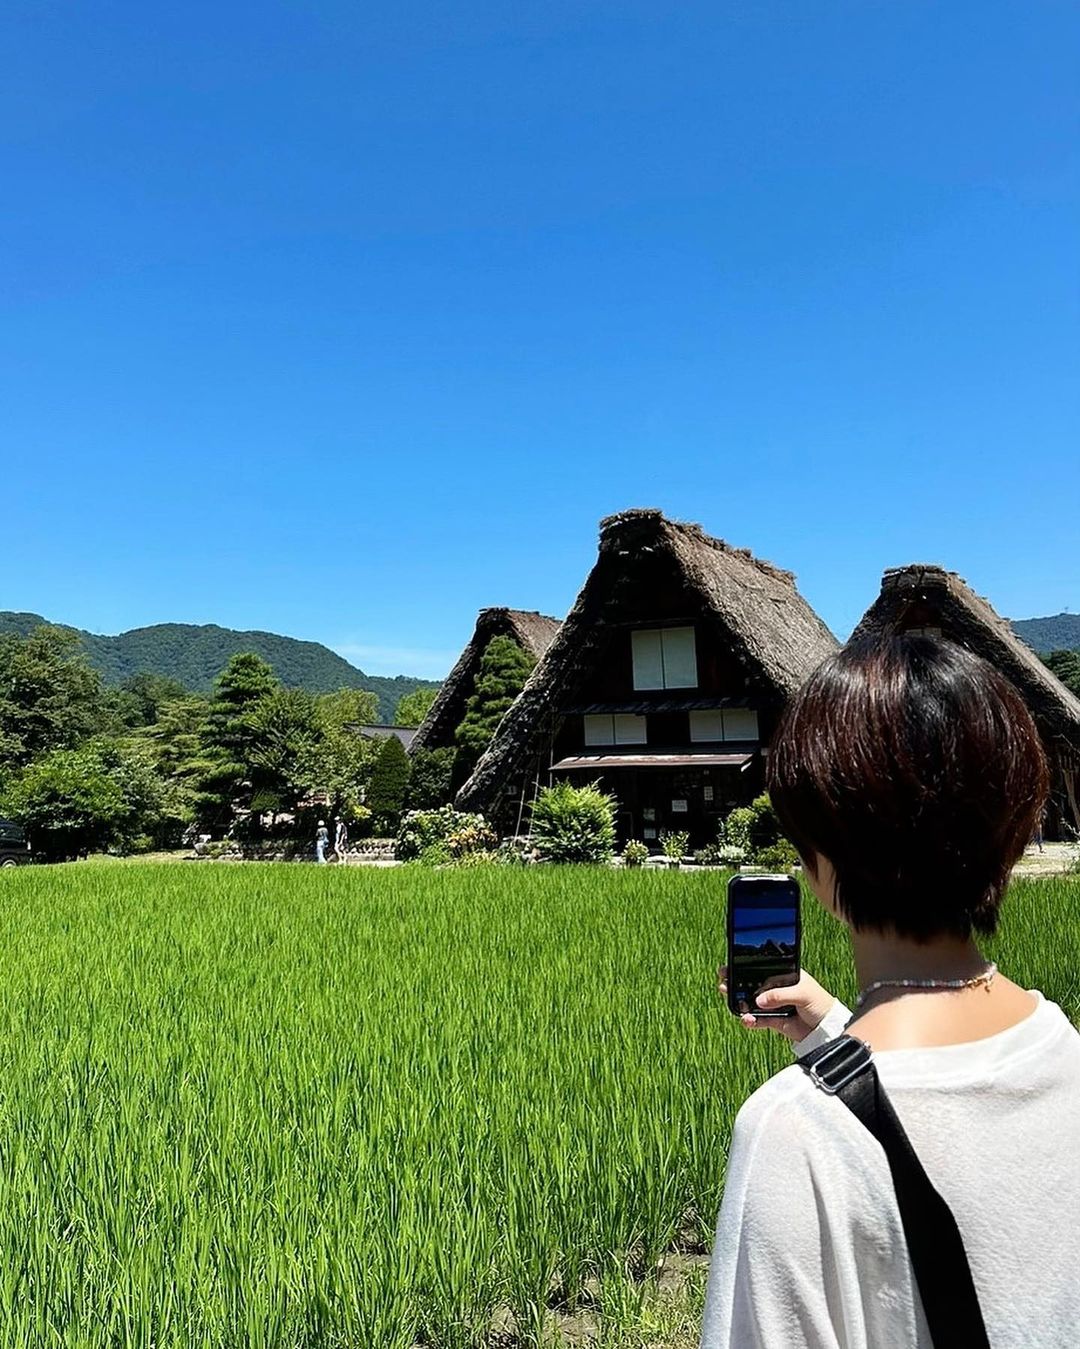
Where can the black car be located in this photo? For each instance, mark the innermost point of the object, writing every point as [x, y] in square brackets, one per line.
[14, 849]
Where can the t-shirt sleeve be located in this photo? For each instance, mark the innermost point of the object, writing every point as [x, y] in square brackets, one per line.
[767, 1285]
[828, 1028]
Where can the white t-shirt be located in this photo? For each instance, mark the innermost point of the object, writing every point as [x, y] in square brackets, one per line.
[809, 1246]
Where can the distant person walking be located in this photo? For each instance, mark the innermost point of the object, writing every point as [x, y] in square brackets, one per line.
[322, 842]
[341, 839]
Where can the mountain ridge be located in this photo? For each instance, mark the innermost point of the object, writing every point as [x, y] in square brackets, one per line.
[195, 653]
[1056, 632]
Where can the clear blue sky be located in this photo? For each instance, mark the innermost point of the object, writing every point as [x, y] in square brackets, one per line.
[343, 320]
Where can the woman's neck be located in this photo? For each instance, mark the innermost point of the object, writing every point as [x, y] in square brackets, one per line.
[880, 955]
[901, 1018]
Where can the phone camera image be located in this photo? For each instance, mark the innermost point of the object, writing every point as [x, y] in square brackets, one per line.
[763, 940]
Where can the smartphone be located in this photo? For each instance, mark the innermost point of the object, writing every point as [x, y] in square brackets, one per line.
[764, 933]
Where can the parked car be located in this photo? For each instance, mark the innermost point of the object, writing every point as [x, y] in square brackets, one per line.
[14, 849]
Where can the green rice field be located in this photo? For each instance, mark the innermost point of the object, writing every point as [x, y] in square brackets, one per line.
[295, 1106]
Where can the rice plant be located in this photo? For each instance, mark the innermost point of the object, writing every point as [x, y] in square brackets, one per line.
[280, 1106]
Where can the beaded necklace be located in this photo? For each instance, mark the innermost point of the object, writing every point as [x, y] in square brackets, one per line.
[986, 978]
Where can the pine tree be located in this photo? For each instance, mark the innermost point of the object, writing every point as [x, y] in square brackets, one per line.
[389, 784]
[504, 668]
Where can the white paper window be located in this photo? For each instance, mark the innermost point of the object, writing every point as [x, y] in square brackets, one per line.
[740, 723]
[648, 659]
[679, 807]
[733, 723]
[706, 726]
[629, 729]
[664, 658]
[623, 729]
[598, 731]
[680, 658]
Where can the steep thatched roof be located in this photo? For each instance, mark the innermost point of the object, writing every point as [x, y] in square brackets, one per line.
[532, 631]
[925, 595]
[770, 628]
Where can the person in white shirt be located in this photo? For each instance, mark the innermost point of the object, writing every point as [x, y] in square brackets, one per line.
[909, 775]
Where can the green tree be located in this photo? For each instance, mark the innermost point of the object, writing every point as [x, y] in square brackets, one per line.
[340, 760]
[148, 693]
[49, 697]
[284, 731]
[178, 743]
[244, 680]
[504, 668]
[105, 794]
[431, 781]
[413, 707]
[230, 738]
[1066, 665]
[389, 785]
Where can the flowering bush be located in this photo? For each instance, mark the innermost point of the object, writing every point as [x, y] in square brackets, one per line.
[424, 829]
[636, 853]
[674, 844]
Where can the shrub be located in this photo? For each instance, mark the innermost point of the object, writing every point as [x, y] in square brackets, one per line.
[574, 824]
[779, 856]
[674, 844]
[475, 836]
[421, 829]
[720, 855]
[636, 853]
[734, 832]
[515, 852]
[764, 827]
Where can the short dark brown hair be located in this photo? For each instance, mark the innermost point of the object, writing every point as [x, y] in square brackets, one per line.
[917, 770]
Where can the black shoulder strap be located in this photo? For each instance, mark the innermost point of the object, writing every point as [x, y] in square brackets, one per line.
[844, 1068]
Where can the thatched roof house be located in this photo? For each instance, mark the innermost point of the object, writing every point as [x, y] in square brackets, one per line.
[664, 681]
[532, 631]
[926, 597]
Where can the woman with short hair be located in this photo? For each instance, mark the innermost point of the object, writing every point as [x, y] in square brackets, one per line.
[909, 775]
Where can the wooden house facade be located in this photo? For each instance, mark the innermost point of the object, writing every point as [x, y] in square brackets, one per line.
[663, 684]
[926, 598]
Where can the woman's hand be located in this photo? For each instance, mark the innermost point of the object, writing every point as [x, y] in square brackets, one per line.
[810, 1000]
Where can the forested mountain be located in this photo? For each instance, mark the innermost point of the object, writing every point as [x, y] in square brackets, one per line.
[196, 655]
[1060, 632]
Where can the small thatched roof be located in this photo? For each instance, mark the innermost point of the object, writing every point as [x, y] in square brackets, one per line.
[925, 595]
[770, 628]
[532, 631]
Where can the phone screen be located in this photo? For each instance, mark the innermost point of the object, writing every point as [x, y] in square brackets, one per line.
[763, 939]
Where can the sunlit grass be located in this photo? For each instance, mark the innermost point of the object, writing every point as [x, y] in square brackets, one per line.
[299, 1106]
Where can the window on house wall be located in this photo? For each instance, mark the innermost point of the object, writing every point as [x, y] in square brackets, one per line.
[619, 729]
[740, 723]
[664, 658]
[731, 723]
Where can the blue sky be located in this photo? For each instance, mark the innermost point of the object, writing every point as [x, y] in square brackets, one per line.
[344, 320]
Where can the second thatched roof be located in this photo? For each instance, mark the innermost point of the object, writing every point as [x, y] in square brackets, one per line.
[771, 629]
[532, 631]
[925, 595]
